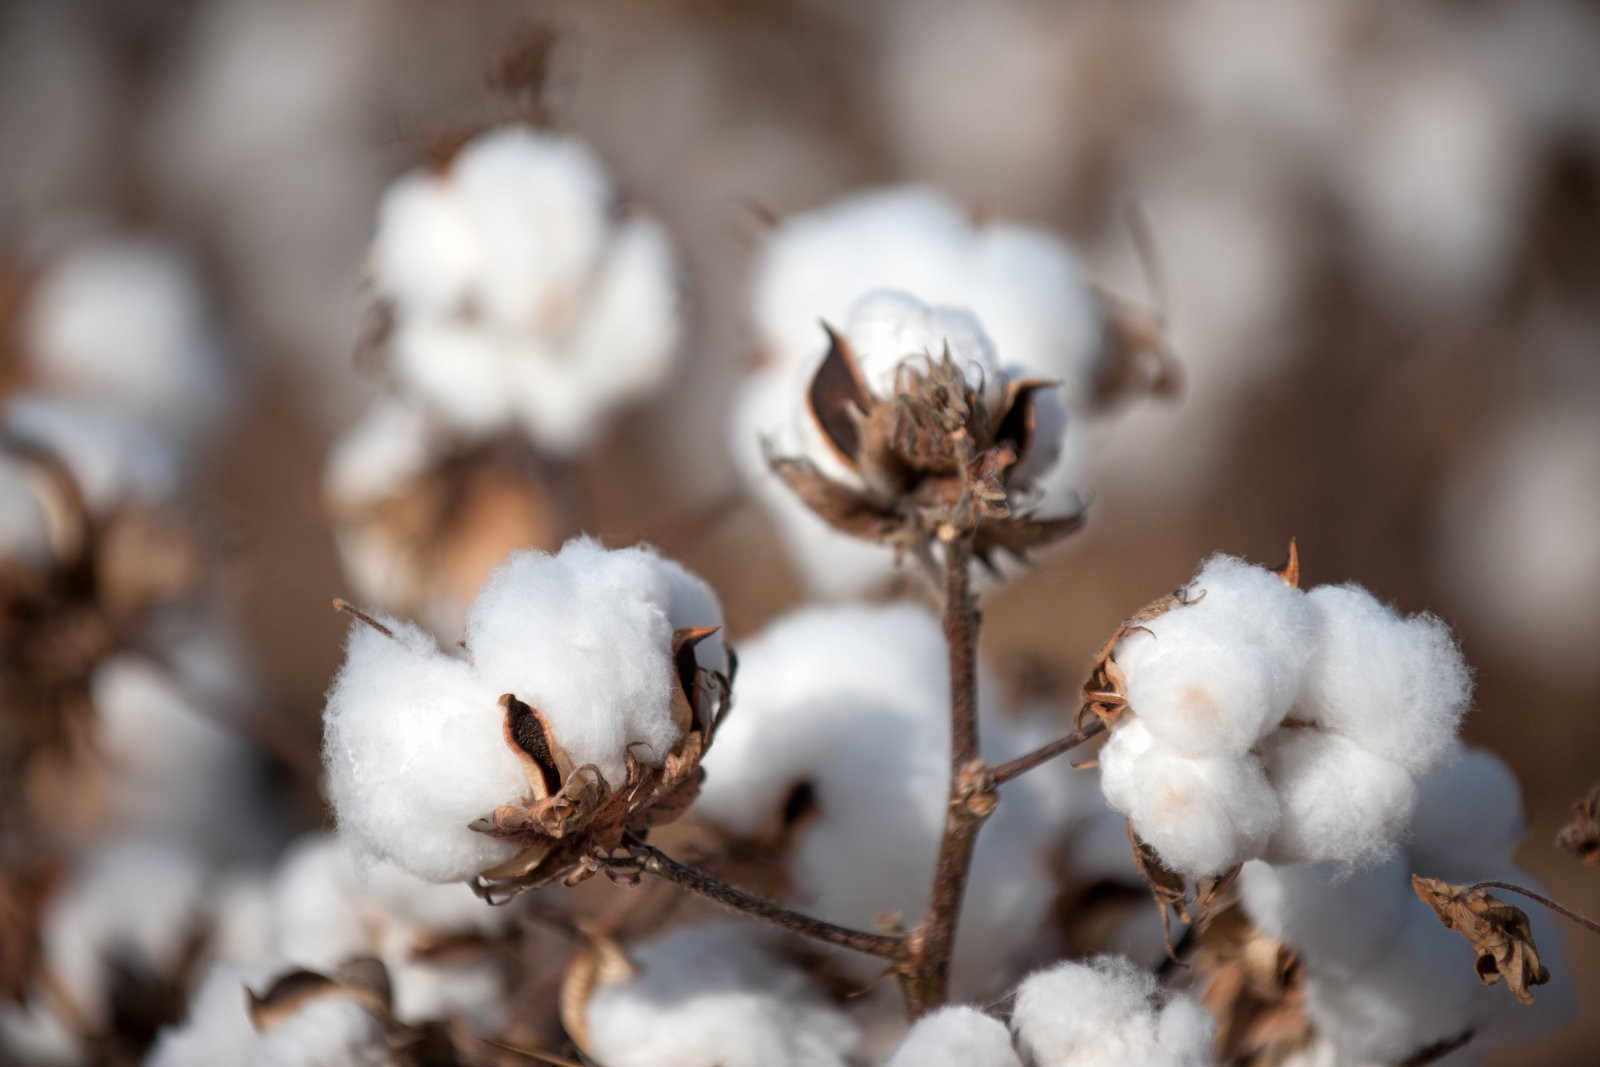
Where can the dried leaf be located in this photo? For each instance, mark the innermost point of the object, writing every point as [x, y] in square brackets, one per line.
[838, 397]
[599, 963]
[368, 987]
[528, 735]
[1290, 571]
[1498, 932]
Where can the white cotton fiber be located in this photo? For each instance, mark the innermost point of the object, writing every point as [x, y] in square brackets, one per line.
[113, 457]
[889, 328]
[1342, 919]
[956, 1036]
[1396, 686]
[1201, 815]
[216, 1028]
[1106, 1012]
[137, 901]
[415, 752]
[391, 444]
[1469, 804]
[458, 369]
[715, 996]
[583, 636]
[426, 256]
[122, 322]
[334, 1031]
[1338, 801]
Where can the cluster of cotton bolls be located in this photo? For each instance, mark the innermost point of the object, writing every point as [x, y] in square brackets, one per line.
[844, 706]
[1383, 979]
[415, 737]
[1098, 1013]
[1266, 722]
[903, 272]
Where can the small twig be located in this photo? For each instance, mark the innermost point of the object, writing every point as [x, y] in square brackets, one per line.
[972, 793]
[658, 863]
[1010, 769]
[537, 1055]
[1555, 906]
[356, 613]
[1438, 1050]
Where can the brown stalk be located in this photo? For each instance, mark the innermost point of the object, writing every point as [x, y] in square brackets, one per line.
[1044, 753]
[653, 861]
[1555, 906]
[926, 976]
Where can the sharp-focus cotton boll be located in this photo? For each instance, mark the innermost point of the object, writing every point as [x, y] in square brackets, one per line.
[714, 996]
[415, 752]
[113, 457]
[1105, 1012]
[1396, 686]
[585, 636]
[123, 322]
[136, 904]
[1338, 801]
[1197, 692]
[957, 1036]
[327, 1030]
[1201, 815]
[1469, 804]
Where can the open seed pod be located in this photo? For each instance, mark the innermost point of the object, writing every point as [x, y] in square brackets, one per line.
[936, 452]
[572, 813]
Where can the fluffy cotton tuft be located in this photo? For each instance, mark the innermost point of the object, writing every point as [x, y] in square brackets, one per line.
[327, 1030]
[957, 1036]
[712, 996]
[393, 443]
[123, 322]
[414, 736]
[1396, 686]
[216, 1028]
[1337, 801]
[1104, 1012]
[518, 298]
[113, 457]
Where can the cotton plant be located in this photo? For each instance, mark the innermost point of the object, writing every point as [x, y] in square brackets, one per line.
[589, 684]
[518, 310]
[1251, 720]
[1005, 297]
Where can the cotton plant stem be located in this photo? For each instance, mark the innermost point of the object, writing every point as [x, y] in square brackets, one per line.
[658, 863]
[1555, 906]
[926, 976]
[1010, 769]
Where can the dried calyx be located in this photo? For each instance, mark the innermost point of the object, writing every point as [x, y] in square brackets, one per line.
[936, 454]
[1499, 933]
[1581, 835]
[572, 817]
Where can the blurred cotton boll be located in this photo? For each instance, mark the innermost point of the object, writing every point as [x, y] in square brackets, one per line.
[518, 297]
[958, 1036]
[1107, 1011]
[1514, 540]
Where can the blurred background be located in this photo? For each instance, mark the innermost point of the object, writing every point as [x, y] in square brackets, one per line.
[1379, 228]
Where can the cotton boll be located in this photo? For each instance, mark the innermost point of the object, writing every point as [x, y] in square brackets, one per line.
[584, 636]
[315, 911]
[714, 996]
[1397, 687]
[1253, 604]
[957, 1036]
[414, 746]
[241, 918]
[1339, 802]
[329, 1030]
[888, 328]
[1202, 816]
[455, 367]
[136, 902]
[1087, 1014]
[1469, 805]
[216, 1028]
[112, 457]
[123, 322]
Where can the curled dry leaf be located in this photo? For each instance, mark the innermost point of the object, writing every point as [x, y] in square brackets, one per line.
[937, 454]
[1254, 987]
[599, 963]
[1498, 932]
[571, 816]
[1196, 905]
[1581, 835]
[363, 980]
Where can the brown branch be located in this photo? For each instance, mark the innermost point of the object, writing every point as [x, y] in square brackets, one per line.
[345, 607]
[926, 978]
[1010, 769]
[658, 863]
[1555, 906]
[1438, 1050]
[537, 1055]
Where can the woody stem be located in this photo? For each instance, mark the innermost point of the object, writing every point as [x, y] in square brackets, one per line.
[1008, 770]
[1555, 906]
[661, 865]
[926, 976]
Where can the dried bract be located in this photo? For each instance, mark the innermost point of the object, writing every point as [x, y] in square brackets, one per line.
[1581, 835]
[1498, 932]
